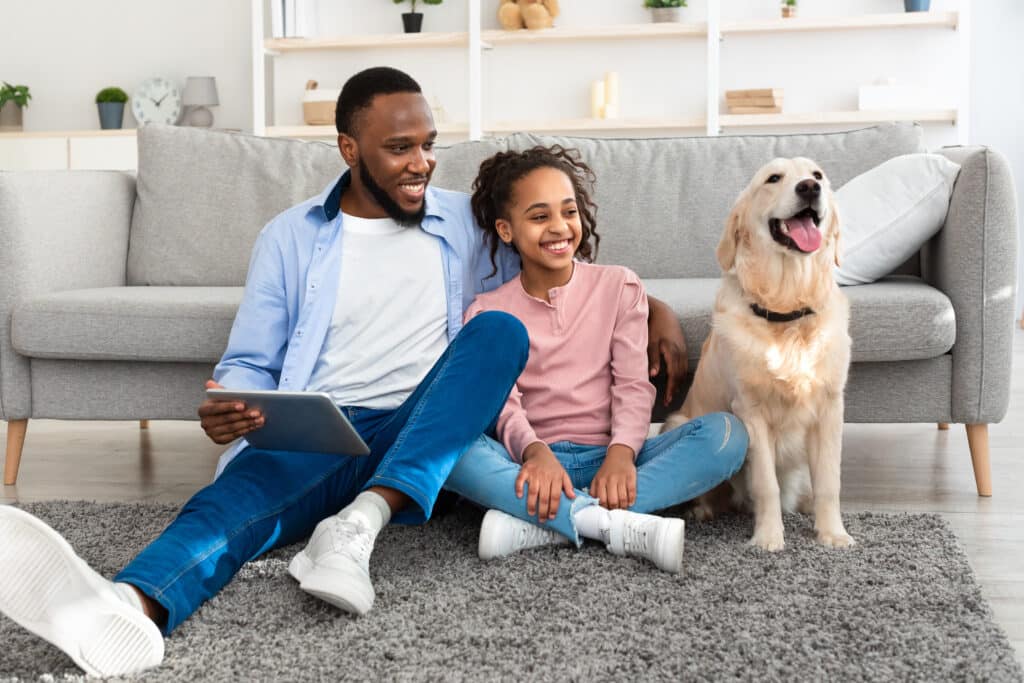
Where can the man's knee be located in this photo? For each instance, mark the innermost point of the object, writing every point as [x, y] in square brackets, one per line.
[502, 334]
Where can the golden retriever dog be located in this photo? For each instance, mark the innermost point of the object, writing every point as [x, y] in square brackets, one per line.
[779, 350]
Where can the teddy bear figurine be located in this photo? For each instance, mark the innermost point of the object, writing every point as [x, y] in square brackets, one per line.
[533, 14]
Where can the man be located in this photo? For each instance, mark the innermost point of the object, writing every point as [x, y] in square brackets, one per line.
[358, 292]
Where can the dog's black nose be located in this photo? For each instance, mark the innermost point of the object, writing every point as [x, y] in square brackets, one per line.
[808, 189]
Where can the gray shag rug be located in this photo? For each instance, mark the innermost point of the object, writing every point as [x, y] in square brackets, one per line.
[903, 604]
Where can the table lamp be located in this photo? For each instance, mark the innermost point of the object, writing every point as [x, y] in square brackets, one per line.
[200, 94]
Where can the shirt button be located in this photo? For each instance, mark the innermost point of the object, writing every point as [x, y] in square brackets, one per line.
[298, 333]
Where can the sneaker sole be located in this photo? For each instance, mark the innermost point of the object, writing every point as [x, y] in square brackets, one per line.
[324, 584]
[671, 532]
[50, 591]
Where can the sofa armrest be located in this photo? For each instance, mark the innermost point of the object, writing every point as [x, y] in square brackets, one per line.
[973, 260]
[59, 230]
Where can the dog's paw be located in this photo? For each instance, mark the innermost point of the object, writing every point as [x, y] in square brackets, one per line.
[772, 540]
[835, 539]
[701, 511]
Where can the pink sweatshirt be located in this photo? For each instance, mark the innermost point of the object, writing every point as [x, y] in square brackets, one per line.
[586, 378]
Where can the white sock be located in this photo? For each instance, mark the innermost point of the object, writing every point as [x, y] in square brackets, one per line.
[127, 594]
[372, 507]
[593, 521]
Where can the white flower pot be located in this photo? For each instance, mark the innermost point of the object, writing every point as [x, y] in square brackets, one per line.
[666, 15]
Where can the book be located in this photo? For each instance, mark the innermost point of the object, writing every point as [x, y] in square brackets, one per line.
[756, 92]
[755, 101]
[754, 110]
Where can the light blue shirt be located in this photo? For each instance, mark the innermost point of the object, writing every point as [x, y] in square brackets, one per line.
[292, 285]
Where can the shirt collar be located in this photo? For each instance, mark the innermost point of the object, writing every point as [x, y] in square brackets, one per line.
[328, 202]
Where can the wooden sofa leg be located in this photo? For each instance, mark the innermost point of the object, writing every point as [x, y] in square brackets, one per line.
[15, 442]
[977, 439]
[943, 426]
[143, 424]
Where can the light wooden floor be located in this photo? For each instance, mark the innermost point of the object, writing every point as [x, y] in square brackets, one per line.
[885, 468]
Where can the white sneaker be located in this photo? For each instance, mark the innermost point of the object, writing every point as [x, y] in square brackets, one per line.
[658, 539]
[502, 534]
[335, 564]
[52, 592]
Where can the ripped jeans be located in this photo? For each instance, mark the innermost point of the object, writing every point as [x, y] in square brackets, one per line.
[671, 468]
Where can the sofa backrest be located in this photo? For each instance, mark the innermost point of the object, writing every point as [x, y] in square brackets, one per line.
[662, 202]
[203, 195]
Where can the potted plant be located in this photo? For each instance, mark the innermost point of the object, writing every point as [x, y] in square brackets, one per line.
[413, 21]
[788, 8]
[665, 11]
[13, 98]
[110, 102]
[916, 5]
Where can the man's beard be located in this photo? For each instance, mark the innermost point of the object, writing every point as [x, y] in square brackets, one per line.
[389, 205]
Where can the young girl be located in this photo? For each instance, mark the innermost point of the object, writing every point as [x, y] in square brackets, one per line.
[574, 455]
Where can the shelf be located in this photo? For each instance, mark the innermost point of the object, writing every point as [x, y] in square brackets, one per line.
[332, 132]
[864, 21]
[837, 117]
[365, 41]
[67, 133]
[591, 125]
[612, 31]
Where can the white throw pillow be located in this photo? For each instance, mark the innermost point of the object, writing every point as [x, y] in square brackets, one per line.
[887, 213]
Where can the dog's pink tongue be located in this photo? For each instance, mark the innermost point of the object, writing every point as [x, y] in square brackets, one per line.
[805, 233]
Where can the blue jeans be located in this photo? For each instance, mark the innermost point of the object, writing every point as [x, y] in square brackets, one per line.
[267, 499]
[671, 468]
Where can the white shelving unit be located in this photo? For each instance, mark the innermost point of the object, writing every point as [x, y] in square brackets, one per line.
[714, 31]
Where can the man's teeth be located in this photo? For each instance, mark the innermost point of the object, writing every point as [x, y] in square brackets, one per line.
[413, 188]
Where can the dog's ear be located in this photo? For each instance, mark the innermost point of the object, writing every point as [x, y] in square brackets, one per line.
[726, 251]
[834, 228]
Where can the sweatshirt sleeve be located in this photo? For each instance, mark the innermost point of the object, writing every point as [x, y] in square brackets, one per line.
[632, 392]
[514, 428]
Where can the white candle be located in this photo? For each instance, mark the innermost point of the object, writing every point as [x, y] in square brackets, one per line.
[611, 89]
[597, 100]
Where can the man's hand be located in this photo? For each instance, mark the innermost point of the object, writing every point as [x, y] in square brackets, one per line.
[666, 341]
[614, 485]
[547, 479]
[224, 421]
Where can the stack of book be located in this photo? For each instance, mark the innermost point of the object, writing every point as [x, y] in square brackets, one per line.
[757, 101]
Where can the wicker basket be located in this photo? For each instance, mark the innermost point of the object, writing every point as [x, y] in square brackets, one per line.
[318, 105]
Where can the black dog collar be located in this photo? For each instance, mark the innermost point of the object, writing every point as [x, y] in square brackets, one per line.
[773, 317]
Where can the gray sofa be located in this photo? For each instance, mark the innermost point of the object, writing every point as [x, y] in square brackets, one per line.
[117, 293]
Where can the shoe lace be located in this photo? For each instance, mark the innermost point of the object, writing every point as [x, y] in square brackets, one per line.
[635, 537]
[352, 539]
[531, 535]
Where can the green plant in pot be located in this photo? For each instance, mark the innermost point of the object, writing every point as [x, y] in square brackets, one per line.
[413, 21]
[788, 8]
[665, 11]
[110, 102]
[13, 98]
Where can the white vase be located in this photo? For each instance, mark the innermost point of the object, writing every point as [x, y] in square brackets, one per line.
[666, 15]
[10, 117]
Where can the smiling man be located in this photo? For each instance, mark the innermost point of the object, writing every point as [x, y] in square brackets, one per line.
[358, 292]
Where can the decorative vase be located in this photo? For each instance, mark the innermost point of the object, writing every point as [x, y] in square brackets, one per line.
[111, 114]
[916, 5]
[412, 21]
[10, 117]
[666, 15]
[788, 11]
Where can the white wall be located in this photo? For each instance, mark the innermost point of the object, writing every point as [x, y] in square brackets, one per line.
[68, 50]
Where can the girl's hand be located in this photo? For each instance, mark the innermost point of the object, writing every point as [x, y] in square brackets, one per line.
[614, 485]
[547, 479]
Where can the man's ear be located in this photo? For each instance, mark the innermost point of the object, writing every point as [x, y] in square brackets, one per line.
[504, 230]
[349, 149]
[726, 251]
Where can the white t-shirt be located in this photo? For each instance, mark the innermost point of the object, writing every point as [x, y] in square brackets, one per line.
[390, 320]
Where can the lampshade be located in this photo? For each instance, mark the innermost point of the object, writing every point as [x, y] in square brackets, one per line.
[200, 91]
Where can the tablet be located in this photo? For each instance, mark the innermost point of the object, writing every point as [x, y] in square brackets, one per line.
[297, 421]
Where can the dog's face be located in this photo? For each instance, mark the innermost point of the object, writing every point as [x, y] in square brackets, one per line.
[786, 211]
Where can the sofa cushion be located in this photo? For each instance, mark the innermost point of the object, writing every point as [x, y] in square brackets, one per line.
[127, 323]
[203, 196]
[893, 319]
[662, 202]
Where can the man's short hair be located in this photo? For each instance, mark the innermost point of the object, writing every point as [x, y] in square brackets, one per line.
[358, 92]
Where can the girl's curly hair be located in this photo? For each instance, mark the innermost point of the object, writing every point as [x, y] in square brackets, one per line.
[492, 192]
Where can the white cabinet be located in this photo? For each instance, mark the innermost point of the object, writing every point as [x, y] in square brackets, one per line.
[114, 150]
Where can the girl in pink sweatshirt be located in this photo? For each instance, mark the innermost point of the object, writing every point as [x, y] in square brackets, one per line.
[573, 458]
